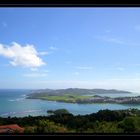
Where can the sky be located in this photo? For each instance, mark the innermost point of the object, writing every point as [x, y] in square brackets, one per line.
[70, 48]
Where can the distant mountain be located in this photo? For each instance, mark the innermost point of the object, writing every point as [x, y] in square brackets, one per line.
[76, 91]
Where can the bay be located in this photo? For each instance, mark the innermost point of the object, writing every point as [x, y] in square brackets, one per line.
[13, 102]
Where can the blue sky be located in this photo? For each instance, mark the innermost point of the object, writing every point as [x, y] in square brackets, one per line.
[70, 47]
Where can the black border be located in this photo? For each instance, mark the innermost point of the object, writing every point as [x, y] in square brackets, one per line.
[58, 5]
[68, 3]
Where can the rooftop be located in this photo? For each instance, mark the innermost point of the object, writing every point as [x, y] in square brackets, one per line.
[13, 128]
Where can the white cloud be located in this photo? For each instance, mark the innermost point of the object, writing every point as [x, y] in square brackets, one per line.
[84, 68]
[35, 75]
[43, 53]
[25, 56]
[53, 48]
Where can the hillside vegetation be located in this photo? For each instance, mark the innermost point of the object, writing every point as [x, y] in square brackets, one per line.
[79, 95]
[62, 121]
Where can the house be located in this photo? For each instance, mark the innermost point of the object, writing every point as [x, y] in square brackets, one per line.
[13, 128]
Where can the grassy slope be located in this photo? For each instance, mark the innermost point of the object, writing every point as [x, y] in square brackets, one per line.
[65, 98]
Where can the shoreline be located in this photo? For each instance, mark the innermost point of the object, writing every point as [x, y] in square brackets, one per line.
[99, 99]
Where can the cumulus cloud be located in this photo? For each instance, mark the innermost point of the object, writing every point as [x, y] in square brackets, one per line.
[19, 55]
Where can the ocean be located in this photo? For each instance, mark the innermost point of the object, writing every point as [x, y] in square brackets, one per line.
[13, 103]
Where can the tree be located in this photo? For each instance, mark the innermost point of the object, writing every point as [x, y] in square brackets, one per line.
[46, 126]
[58, 112]
[127, 125]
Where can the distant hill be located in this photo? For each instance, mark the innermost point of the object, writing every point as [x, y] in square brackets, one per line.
[76, 91]
[77, 95]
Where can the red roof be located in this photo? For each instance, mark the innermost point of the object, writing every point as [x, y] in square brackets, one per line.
[11, 128]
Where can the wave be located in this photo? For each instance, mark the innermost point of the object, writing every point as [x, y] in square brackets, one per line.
[8, 113]
[24, 95]
[11, 100]
[14, 100]
[33, 110]
[22, 112]
[18, 99]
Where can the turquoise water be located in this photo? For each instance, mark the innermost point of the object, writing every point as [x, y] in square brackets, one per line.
[14, 103]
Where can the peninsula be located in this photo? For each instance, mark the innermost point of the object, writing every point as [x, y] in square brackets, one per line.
[83, 96]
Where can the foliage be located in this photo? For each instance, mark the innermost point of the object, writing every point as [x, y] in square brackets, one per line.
[104, 121]
[58, 111]
[46, 126]
[127, 125]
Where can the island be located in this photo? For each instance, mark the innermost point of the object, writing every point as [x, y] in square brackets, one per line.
[83, 96]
